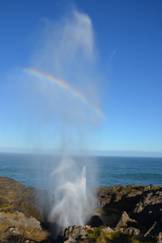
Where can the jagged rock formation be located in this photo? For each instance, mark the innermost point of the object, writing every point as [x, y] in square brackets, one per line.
[126, 214]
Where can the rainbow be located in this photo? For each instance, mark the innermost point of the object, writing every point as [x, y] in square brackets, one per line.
[64, 85]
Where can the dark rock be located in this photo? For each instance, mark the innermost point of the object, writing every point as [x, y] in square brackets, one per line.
[142, 204]
[95, 221]
[149, 208]
[111, 217]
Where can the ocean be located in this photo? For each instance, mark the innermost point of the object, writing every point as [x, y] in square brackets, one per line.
[34, 170]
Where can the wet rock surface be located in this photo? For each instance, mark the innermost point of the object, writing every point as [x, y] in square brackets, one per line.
[124, 214]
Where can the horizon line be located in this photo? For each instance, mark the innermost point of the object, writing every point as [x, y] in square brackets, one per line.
[122, 153]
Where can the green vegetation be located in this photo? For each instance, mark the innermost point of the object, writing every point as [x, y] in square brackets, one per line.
[103, 235]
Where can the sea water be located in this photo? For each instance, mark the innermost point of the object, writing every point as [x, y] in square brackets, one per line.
[110, 170]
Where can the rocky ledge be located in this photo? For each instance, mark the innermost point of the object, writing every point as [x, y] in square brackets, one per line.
[21, 213]
[125, 214]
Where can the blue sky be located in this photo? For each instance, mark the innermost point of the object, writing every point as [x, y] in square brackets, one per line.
[128, 38]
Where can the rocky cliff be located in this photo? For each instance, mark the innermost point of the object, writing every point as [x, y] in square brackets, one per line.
[126, 214]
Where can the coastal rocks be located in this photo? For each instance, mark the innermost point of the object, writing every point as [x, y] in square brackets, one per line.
[126, 214]
[76, 234]
[15, 196]
[125, 221]
[149, 209]
[139, 207]
[14, 226]
[87, 234]
[20, 213]
[95, 221]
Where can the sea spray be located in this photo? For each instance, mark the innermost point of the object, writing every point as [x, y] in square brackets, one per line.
[71, 58]
[74, 202]
[69, 108]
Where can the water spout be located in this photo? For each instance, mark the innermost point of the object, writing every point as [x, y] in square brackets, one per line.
[72, 198]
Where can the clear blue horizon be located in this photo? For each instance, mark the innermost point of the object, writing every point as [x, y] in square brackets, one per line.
[128, 39]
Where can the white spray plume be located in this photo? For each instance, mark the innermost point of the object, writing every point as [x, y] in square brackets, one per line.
[71, 37]
[67, 51]
[73, 200]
